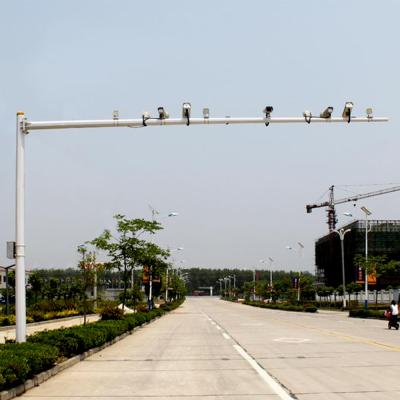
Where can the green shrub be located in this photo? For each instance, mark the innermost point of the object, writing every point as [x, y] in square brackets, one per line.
[7, 320]
[142, 307]
[54, 305]
[59, 338]
[19, 361]
[282, 306]
[310, 308]
[111, 311]
[362, 313]
[14, 369]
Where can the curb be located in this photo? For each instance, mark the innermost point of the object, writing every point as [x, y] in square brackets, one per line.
[38, 379]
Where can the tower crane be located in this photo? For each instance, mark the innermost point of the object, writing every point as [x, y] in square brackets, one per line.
[331, 203]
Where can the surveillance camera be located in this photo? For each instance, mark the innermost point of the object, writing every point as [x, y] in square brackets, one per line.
[307, 116]
[186, 110]
[347, 110]
[327, 113]
[206, 113]
[162, 113]
[268, 109]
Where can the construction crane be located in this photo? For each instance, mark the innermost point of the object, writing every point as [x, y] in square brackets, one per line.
[331, 203]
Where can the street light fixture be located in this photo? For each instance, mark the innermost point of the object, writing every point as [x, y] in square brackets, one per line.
[341, 234]
[367, 214]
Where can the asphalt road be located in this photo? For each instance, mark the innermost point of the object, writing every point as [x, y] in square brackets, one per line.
[211, 349]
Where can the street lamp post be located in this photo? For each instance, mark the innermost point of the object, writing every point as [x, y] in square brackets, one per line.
[167, 270]
[24, 126]
[341, 234]
[150, 299]
[301, 247]
[367, 213]
[254, 284]
[270, 278]
[220, 286]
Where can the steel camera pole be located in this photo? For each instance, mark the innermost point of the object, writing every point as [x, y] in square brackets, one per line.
[25, 126]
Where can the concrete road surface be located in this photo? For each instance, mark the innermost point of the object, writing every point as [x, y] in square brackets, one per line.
[212, 349]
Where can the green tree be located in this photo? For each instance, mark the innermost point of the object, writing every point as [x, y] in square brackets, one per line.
[36, 285]
[134, 296]
[248, 290]
[375, 264]
[51, 288]
[87, 267]
[127, 249]
[177, 287]
[351, 288]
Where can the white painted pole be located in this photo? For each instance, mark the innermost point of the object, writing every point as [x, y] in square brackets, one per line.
[134, 123]
[20, 298]
[342, 234]
[366, 262]
[254, 284]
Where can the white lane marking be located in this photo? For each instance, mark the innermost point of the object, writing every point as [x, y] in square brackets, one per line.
[291, 340]
[218, 327]
[225, 335]
[267, 378]
[213, 323]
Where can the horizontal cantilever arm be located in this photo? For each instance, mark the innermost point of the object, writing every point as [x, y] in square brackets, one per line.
[135, 123]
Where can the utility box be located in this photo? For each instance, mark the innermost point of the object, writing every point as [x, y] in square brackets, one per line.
[11, 250]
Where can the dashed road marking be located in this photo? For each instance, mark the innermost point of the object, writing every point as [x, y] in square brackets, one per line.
[225, 335]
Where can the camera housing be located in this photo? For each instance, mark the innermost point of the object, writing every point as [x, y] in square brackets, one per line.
[327, 113]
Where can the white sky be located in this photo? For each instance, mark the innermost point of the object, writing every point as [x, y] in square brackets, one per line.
[241, 191]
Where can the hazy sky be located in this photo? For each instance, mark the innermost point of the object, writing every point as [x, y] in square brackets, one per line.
[240, 191]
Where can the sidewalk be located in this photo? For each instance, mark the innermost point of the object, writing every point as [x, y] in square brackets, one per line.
[8, 332]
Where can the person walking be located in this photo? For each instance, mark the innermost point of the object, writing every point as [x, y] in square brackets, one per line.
[394, 310]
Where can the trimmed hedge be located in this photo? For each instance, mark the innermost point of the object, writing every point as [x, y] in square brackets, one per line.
[362, 313]
[78, 339]
[20, 361]
[283, 306]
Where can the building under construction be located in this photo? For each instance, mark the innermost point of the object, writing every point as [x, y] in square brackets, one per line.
[383, 240]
